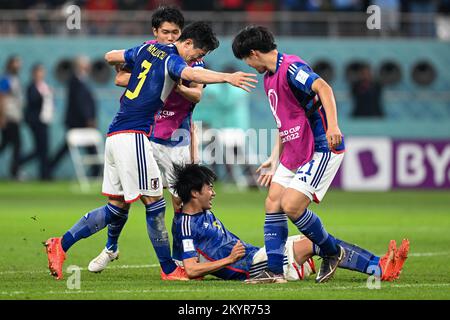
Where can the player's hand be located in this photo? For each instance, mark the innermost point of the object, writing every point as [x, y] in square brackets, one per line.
[266, 172]
[119, 67]
[237, 252]
[334, 137]
[242, 80]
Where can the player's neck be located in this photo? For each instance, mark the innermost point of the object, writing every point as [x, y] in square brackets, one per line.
[191, 208]
[271, 60]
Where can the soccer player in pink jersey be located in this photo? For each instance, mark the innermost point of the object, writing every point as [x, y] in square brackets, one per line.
[306, 156]
[172, 141]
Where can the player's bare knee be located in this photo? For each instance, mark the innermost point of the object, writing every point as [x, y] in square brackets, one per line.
[146, 200]
[120, 203]
[272, 204]
[294, 205]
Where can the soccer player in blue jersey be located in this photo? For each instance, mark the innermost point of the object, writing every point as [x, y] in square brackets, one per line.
[130, 172]
[167, 23]
[206, 246]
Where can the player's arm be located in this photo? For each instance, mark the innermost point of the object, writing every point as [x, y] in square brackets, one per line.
[267, 169]
[195, 269]
[238, 79]
[114, 57]
[325, 92]
[193, 93]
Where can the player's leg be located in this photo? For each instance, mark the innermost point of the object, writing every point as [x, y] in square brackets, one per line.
[155, 207]
[93, 221]
[275, 228]
[311, 183]
[356, 258]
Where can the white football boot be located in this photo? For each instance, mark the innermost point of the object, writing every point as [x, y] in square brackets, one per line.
[100, 263]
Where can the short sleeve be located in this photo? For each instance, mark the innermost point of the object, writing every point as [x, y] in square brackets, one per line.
[132, 53]
[187, 238]
[175, 65]
[5, 86]
[301, 76]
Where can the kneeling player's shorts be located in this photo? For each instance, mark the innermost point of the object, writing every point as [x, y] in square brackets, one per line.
[292, 270]
[130, 169]
[313, 178]
[166, 156]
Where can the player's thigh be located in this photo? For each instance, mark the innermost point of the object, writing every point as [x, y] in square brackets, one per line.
[111, 185]
[294, 203]
[314, 178]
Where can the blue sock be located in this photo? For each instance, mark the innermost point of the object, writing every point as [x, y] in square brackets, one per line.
[89, 224]
[275, 236]
[115, 227]
[356, 258]
[310, 225]
[158, 234]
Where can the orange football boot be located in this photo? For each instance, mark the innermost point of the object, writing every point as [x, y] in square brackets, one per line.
[400, 257]
[387, 262]
[56, 257]
[178, 274]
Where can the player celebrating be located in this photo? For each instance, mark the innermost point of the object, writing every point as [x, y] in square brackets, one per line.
[307, 154]
[205, 246]
[167, 23]
[130, 170]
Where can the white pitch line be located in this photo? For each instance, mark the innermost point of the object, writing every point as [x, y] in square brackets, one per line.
[143, 266]
[280, 288]
[125, 266]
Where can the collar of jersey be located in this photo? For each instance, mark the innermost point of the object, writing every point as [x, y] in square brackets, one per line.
[279, 61]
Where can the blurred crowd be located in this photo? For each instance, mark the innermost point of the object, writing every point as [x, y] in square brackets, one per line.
[397, 18]
[235, 5]
[32, 107]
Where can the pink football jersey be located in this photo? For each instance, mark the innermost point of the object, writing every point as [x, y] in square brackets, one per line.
[292, 123]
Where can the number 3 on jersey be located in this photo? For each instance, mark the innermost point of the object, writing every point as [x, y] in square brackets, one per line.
[141, 77]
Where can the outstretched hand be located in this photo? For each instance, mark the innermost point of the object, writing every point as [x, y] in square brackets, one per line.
[242, 80]
[266, 172]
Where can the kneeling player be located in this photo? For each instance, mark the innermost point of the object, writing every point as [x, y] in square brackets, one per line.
[205, 246]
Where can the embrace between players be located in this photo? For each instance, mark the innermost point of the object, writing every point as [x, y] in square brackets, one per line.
[164, 79]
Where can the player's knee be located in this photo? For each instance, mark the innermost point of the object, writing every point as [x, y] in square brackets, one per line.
[272, 205]
[294, 208]
[120, 203]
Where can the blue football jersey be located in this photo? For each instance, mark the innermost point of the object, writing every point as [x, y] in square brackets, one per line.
[155, 70]
[203, 235]
[300, 78]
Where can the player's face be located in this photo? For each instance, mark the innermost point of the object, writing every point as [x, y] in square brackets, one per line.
[191, 54]
[168, 32]
[254, 61]
[206, 196]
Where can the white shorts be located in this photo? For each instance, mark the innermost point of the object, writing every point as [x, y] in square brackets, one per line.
[130, 169]
[291, 269]
[313, 178]
[165, 157]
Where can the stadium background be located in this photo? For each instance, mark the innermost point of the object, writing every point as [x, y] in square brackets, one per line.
[410, 55]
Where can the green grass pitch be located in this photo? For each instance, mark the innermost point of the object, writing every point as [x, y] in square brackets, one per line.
[32, 212]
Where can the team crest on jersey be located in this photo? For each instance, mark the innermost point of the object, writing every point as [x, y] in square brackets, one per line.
[154, 183]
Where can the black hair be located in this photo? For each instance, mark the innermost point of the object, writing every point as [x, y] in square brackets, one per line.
[167, 14]
[201, 33]
[36, 66]
[191, 177]
[253, 38]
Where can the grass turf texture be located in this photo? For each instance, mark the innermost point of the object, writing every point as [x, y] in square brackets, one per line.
[32, 212]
